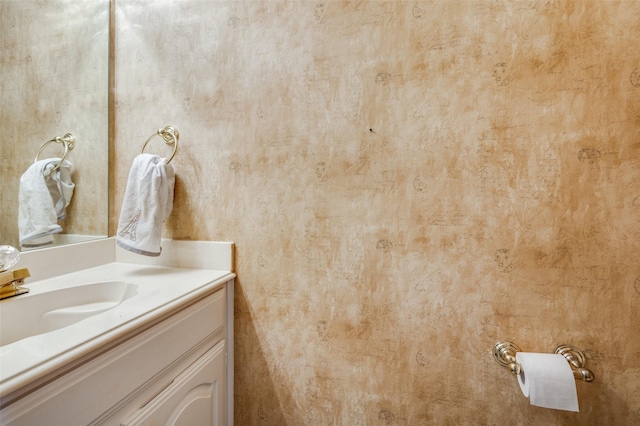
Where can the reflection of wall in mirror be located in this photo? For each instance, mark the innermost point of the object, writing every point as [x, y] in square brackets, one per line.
[54, 67]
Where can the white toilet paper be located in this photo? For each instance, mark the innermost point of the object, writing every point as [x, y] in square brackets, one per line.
[547, 380]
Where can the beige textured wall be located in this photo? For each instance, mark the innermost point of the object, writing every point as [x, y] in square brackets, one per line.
[54, 80]
[406, 183]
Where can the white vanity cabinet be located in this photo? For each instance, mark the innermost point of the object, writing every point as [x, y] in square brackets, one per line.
[176, 370]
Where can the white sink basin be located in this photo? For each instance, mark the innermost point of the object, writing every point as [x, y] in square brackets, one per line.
[32, 314]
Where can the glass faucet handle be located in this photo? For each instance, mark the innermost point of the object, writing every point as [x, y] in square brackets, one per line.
[9, 256]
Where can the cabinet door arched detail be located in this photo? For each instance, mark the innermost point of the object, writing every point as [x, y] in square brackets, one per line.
[194, 397]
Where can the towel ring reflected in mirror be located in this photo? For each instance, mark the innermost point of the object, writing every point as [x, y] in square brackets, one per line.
[68, 141]
[170, 136]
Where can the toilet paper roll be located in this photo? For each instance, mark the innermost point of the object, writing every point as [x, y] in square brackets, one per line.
[547, 380]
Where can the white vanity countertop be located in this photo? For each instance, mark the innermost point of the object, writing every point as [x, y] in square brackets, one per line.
[160, 290]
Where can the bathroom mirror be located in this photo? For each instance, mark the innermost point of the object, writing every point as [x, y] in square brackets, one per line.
[54, 63]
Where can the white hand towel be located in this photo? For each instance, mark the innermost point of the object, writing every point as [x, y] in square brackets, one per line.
[43, 198]
[148, 201]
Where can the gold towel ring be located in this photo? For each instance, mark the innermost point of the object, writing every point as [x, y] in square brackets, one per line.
[170, 136]
[68, 141]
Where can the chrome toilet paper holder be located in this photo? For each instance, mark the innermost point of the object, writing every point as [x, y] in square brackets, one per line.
[504, 352]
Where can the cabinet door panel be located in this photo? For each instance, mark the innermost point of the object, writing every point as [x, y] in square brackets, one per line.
[196, 397]
[196, 408]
